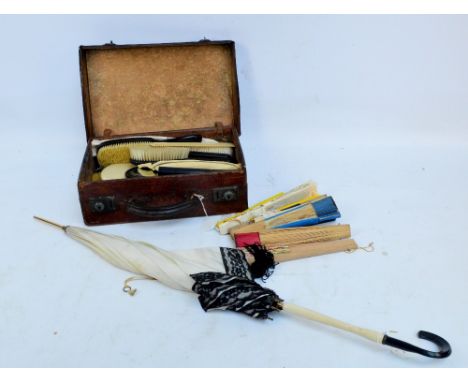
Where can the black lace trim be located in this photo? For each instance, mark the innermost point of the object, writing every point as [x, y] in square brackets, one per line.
[238, 294]
[235, 262]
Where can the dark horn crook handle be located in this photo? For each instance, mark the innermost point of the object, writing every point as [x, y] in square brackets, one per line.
[444, 347]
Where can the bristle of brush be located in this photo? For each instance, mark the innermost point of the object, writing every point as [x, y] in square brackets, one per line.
[207, 145]
[215, 148]
[117, 153]
[144, 154]
[121, 141]
[193, 144]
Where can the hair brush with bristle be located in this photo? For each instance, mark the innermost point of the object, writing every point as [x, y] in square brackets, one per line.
[207, 145]
[145, 153]
[207, 150]
[117, 150]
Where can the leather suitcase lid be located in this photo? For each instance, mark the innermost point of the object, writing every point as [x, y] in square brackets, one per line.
[133, 89]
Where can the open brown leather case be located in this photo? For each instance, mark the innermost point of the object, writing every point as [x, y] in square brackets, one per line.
[169, 90]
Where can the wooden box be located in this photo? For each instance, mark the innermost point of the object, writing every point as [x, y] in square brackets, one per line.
[160, 89]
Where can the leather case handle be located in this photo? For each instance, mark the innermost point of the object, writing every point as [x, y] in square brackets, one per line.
[139, 208]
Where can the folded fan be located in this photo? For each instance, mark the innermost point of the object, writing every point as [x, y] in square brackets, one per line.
[320, 210]
[284, 253]
[298, 194]
[292, 236]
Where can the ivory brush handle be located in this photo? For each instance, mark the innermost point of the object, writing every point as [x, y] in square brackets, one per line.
[330, 321]
[301, 251]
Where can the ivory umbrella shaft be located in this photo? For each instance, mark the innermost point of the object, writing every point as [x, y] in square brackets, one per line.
[330, 321]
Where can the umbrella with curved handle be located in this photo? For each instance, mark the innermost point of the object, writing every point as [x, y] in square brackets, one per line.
[219, 290]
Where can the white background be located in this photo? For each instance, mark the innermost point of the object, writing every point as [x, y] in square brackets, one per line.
[373, 108]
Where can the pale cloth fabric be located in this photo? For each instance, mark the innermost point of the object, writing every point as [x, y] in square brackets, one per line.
[170, 268]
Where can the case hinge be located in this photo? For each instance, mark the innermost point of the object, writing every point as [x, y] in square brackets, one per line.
[219, 129]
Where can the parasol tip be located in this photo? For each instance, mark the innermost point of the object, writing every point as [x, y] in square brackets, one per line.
[50, 222]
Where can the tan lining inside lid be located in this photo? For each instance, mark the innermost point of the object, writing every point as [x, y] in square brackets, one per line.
[148, 89]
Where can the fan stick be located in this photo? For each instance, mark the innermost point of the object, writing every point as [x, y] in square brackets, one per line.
[259, 226]
[301, 251]
[316, 211]
[305, 235]
[264, 225]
